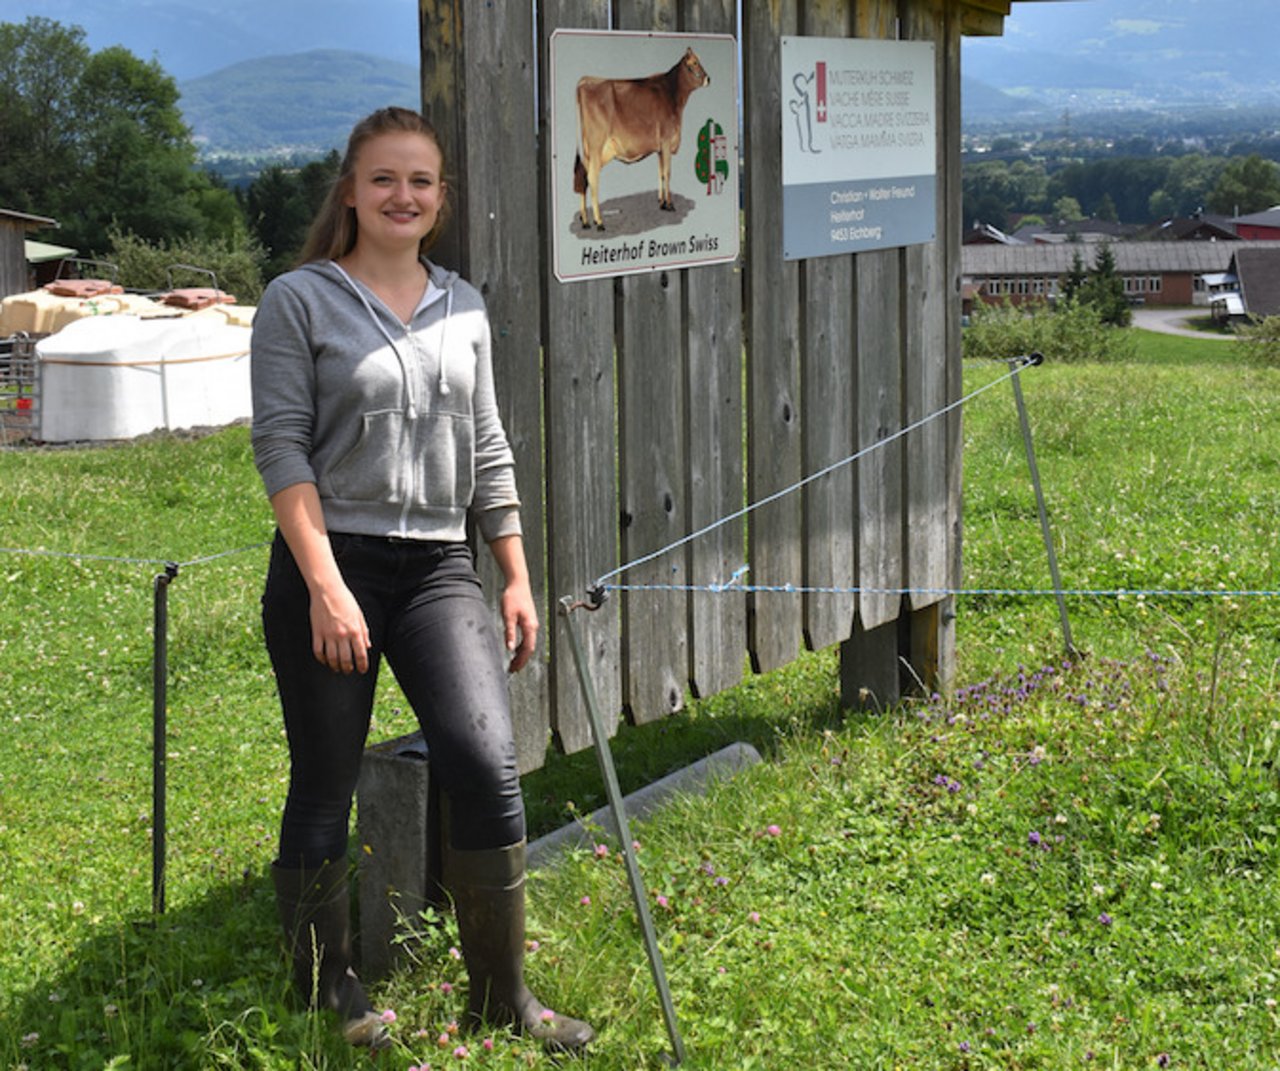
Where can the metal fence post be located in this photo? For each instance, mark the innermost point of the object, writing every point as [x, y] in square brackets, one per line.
[1017, 364]
[159, 731]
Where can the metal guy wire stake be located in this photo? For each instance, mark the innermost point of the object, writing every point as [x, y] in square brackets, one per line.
[605, 758]
[1017, 363]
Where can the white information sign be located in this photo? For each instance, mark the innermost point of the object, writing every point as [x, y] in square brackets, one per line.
[644, 152]
[859, 149]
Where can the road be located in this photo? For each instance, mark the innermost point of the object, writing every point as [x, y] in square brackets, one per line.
[1173, 321]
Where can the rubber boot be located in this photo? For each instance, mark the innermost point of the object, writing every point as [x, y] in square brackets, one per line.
[315, 911]
[488, 900]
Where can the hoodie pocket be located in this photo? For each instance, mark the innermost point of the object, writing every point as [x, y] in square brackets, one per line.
[374, 469]
[445, 461]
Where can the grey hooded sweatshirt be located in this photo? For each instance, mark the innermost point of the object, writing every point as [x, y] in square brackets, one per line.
[397, 425]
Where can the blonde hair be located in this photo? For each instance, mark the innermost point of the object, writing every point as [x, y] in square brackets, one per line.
[333, 231]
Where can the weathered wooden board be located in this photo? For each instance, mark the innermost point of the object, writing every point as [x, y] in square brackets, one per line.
[651, 420]
[581, 445]
[830, 412]
[951, 239]
[717, 633]
[655, 664]
[774, 445]
[925, 342]
[504, 264]
[879, 393]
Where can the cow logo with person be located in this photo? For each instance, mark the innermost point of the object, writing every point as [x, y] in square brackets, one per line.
[681, 206]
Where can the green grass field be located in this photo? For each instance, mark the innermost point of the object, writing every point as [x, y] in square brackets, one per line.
[1066, 863]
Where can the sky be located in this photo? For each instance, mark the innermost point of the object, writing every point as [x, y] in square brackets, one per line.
[191, 38]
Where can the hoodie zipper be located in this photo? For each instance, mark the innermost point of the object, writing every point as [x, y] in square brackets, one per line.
[407, 376]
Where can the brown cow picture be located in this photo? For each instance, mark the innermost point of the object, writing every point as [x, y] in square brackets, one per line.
[629, 119]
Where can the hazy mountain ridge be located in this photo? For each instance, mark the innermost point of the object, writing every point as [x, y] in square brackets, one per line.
[299, 103]
[1142, 53]
[1079, 57]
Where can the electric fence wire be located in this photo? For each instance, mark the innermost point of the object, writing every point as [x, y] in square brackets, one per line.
[735, 584]
[602, 584]
[168, 563]
[805, 589]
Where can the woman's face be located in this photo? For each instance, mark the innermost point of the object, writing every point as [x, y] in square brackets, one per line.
[396, 189]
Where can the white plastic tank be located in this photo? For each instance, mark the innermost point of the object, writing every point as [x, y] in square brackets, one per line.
[116, 377]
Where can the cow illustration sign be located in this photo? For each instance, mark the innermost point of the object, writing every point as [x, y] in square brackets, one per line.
[644, 142]
[859, 148]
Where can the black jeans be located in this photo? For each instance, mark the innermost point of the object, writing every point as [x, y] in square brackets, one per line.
[426, 614]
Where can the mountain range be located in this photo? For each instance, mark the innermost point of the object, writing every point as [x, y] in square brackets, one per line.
[296, 104]
[1132, 54]
[291, 74]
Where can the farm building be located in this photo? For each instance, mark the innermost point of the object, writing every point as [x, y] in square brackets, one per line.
[1250, 287]
[1155, 273]
[1259, 225]
[16, 271]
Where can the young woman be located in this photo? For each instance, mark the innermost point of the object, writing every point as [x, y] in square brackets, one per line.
[377, 435]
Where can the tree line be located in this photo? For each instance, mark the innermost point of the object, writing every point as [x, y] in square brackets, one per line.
[1124, 189]
[97, 142]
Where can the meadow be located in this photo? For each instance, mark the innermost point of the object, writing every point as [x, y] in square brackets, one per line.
[1066, 861]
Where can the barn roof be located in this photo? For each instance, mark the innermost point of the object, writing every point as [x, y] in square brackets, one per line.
[1131, 257]
[1268, 218]
[1258, 269]
[30, 222]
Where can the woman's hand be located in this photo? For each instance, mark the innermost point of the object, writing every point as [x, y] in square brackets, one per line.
[339, 633]
[519, 611]
[519, 623]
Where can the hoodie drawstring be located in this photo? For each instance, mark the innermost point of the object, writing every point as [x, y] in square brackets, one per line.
[410, 409]
[444, 350]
